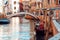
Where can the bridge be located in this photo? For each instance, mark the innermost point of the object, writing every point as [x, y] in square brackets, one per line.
[57, 25]
[21, 14]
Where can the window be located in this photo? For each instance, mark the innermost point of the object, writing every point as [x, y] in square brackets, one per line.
[14, 2]
[14, 8]
[55, 1]
[59, 1]
[48, 1]
[14, 12]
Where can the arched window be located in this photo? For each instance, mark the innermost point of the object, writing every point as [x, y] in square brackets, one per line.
[59, 1]
[55, 1]
[48, 1]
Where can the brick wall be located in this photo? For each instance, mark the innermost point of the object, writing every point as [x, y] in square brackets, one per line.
[3, 16]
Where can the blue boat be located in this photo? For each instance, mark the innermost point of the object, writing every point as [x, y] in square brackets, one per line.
[4, 21]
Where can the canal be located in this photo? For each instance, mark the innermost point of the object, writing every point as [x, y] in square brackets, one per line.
[15, 30]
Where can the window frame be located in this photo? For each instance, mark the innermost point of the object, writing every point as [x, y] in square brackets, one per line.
[48, 1]
[58, 2]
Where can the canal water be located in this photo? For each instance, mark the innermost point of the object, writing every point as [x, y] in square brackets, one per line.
[15, 30]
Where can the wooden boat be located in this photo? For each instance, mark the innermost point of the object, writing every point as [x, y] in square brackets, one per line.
[4, 19]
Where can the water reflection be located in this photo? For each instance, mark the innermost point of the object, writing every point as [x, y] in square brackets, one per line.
[15, 30]
[25, 30]
[58, 21]
[5, 32]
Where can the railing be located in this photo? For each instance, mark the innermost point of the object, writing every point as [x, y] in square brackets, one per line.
[22, 13]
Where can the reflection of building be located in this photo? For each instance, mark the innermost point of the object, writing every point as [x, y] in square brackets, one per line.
[1, 6]
[25, 29]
